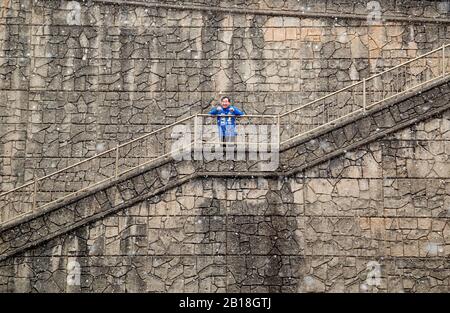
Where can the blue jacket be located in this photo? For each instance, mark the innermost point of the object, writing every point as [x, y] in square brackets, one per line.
[227, 124]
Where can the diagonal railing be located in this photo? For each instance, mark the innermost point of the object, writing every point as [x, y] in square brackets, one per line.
[159, 144]
[365, 94]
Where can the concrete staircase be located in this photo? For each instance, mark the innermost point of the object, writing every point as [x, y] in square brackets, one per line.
[144, 167]
[296, 154]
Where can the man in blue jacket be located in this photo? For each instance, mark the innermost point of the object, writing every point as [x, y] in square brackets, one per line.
[226, 124]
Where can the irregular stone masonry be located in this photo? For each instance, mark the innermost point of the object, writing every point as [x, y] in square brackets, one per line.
[314, 230]
[346, 198]
[71, 91]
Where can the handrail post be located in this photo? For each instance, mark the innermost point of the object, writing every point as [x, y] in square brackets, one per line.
[116, 168]
[35, 194]
[443, 60]
[279, 132]
[195, 131]
[198, 121]
[364, 95]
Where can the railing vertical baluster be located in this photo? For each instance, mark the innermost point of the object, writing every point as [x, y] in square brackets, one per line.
[391, 85]
[397, 84]
[364, 95]
[195, 131]
[116, 167]
[407, 77]
[147, 157]
[443, 60]
[323, 111]
[404, 78]
[279, 130]
[327, 111]
[35, 194]
[196, 143]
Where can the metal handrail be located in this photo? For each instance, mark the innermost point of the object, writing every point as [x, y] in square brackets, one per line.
[97, 156]
[366, 79]
[364, 91]
[407, 62]
[239, 116]
[320, 99]
[277, 116]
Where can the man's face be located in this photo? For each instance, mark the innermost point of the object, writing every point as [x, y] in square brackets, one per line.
[225, 103]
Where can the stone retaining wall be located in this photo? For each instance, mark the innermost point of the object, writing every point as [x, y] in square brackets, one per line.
[73, 85]
[384, 203]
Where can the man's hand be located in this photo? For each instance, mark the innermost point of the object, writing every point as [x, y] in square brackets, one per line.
[232, 109]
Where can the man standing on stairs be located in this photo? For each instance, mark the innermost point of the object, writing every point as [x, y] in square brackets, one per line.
[226, 124]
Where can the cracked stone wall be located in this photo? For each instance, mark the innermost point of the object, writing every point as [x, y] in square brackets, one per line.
[387, 201]
[70, 91]
[73, 85]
